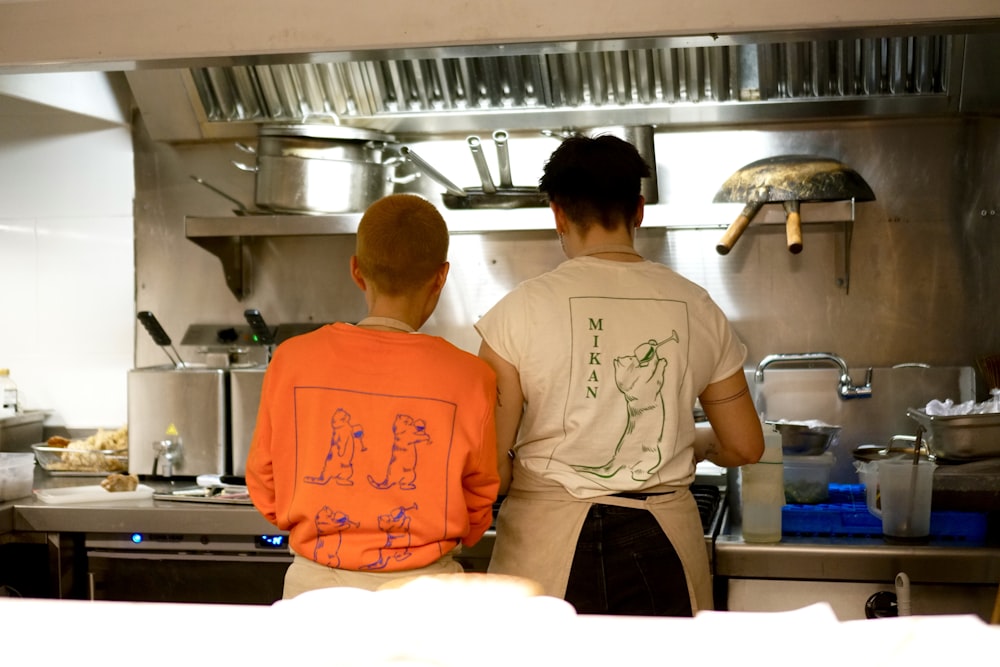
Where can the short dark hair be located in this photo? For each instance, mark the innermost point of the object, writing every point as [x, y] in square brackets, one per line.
[597, 177]
[402, 241]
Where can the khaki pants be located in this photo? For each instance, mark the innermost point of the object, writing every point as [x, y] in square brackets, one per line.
[307, 575]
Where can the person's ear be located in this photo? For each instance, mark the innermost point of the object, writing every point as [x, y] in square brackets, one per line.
[441, 277]
[562, 226]
[356, 274]
[640, 211]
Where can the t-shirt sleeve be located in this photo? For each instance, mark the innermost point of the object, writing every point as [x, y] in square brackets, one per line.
[732, 351]
[496, 326]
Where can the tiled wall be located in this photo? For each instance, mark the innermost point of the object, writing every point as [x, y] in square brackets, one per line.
[67, 279]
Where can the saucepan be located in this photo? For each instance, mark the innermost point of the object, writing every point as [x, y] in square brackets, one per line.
[322, 168]
[790, 180]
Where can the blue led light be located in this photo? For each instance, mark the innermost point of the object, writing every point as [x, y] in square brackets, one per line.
[136, 538]
[273, 540]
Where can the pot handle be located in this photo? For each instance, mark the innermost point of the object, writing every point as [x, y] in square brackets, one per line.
[402, 180]
[244, 167]
[793, 226]
[757, 199]
[432, 172]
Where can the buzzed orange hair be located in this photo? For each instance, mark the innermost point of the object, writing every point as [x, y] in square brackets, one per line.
[402, 241]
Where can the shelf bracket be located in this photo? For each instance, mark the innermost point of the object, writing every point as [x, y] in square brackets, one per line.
[234, 253]
[844, 253]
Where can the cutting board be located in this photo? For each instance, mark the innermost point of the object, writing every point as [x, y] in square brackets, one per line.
[90, 494]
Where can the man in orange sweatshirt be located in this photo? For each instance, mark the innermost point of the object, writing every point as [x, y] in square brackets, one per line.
[374, 444]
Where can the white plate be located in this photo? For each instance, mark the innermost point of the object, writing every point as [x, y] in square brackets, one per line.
[90, 494]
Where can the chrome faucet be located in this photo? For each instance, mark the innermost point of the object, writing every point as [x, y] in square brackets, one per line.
[845, 388]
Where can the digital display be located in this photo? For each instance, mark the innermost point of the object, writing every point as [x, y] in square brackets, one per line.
[272, 541]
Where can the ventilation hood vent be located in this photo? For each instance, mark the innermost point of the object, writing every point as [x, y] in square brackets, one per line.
[653, 82]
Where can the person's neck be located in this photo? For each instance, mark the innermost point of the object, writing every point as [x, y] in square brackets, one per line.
[615, 245]
[397, 312]
[388, 319]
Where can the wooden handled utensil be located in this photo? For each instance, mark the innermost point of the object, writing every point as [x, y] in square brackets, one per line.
[790, 180]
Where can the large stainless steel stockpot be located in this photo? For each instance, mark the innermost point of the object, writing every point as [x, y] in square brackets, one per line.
[320, 169]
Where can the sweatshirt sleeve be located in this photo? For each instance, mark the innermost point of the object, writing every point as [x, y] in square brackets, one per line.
[260, 464]
[481, 481]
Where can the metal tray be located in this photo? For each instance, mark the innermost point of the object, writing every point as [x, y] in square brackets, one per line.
[960, 437]
[503, 198]
[200, 494]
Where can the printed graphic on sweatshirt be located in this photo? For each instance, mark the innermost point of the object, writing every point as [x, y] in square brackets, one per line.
[330, 525]
[372, 466]
[621, 369]
[407, 434]
[345, 440]
[396, 526]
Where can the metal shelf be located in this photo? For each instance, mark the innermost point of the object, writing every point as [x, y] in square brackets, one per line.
[226, 237]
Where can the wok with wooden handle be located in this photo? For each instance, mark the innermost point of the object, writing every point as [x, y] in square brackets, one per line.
[789, 180]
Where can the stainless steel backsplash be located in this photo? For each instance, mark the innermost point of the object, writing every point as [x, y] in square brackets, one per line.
[924, 265]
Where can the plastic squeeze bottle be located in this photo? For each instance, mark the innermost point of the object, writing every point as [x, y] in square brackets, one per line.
[763, 492]
[8, 394]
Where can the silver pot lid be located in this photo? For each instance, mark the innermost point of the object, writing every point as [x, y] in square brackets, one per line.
[325, 131]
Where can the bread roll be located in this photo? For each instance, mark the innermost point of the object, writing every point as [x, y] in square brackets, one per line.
[116, 482]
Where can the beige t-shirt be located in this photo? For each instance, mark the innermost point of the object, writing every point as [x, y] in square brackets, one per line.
[612, 356]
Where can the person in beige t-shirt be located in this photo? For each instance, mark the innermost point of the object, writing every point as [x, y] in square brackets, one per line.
[599, 363]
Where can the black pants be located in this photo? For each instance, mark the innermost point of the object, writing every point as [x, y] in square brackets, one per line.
[625, 565]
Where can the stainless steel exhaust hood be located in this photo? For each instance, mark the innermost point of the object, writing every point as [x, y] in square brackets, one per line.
[667, 81]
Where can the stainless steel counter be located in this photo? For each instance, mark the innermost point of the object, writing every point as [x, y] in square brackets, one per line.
[856, 559]
[147, 515]
[145, 549]
[859, 577]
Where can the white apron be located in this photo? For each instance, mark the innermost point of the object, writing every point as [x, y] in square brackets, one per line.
[537, 531]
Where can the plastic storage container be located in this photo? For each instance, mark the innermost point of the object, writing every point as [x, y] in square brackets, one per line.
[807, 478]
[17, 474]
[762, 493]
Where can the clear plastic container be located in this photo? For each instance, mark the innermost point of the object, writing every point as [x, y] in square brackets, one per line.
[762, 492]
[807, 479]
[17, 474]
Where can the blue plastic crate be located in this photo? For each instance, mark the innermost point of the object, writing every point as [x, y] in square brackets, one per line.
[846, 515]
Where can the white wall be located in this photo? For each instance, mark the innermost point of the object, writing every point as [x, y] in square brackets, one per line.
[66, 262]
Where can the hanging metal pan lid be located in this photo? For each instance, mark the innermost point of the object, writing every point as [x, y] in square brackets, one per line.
[325, 131]
[800, 178]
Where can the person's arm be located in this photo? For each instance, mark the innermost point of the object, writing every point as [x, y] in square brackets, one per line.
[735, 437]
[510, 405]
[260, 464]
[480, 480]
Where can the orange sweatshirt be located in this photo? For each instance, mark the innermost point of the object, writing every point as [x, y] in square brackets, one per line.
[375, 450]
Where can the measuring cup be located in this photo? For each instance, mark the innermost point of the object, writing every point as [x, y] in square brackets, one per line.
[904, 493]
